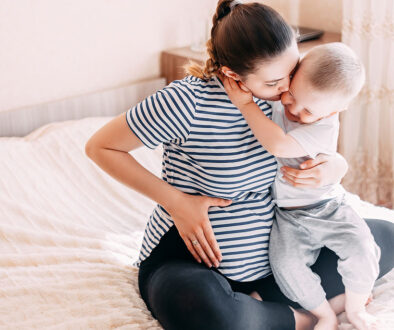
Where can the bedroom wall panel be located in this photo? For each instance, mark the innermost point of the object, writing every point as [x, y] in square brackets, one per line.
[105, 103]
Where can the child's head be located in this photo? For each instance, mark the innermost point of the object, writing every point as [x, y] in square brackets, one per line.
[326, 81]
[250, 42]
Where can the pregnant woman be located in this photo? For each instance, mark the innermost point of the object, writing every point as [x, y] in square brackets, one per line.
[204, 251]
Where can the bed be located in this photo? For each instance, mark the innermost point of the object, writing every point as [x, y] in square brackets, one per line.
[69, 235]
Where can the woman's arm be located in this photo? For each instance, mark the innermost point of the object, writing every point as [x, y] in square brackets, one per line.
[109, 148]
[270, 135]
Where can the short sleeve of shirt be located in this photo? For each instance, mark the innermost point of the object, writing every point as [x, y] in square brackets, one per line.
[319, 137]
[165, 116]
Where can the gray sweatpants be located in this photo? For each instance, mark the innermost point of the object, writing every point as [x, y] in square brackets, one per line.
[296, 239]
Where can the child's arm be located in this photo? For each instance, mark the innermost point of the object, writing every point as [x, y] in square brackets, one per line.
[270, 135]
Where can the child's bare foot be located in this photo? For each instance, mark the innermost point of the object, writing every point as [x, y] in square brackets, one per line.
[362, 320]
[329, 323]
[326, 317]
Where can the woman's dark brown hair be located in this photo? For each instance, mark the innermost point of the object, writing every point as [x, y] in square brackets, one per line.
[241, 36]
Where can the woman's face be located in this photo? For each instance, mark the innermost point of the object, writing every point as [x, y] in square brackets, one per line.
[272, 78]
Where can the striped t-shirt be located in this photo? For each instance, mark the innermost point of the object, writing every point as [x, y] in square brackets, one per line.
[208, 149]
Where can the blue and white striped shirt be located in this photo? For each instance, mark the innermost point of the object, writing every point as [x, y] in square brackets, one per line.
[208, 149]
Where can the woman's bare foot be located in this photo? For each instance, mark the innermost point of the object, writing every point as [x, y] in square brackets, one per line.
[255, 295]
[362, 320]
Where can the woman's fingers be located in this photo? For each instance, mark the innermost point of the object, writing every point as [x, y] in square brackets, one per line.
[300, 182]
[202, 241]
[310, 163]
[220, 202]
[207, 226]
[210, 237]
[193, 224]
[292, 172]
[202, 248]
[300, 174]
[323, 170]
[191, 249]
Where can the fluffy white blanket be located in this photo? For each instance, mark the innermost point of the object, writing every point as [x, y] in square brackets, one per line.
[69, 234]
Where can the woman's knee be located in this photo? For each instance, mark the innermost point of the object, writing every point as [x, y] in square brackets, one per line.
[383, 233]
[189, 296]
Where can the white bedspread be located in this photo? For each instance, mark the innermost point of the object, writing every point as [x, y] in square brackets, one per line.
[69, 234]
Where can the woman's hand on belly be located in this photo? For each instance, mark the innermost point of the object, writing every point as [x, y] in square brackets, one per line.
[190, 215]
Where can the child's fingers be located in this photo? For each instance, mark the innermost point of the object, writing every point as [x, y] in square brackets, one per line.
[234, 84]
[226, 83]
[243, 87]
[230, 84]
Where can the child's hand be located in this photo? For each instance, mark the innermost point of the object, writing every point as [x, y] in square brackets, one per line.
[238, 93]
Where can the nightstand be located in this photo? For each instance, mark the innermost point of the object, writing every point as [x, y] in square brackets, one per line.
[172, 61]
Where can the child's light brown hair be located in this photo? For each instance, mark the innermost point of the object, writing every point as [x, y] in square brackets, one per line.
[334, 67]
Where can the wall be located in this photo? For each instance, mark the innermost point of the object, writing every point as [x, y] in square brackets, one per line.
[322, 14]
[51, 50]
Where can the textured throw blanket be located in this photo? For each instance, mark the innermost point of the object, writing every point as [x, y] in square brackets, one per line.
[69, 234]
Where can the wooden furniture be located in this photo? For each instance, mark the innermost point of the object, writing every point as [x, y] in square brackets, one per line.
[172, 61]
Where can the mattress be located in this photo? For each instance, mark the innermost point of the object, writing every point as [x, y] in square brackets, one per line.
[69, 234]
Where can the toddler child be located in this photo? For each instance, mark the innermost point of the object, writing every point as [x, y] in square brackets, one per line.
[303, 126]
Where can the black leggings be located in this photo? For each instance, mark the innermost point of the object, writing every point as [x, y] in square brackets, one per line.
[183, 294]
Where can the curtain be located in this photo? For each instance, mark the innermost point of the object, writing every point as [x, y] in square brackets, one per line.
[367, 127]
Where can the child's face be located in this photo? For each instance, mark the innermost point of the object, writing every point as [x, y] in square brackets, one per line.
[306, 105]
[272, 78]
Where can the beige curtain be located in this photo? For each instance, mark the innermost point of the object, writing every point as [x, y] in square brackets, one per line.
[367, 128]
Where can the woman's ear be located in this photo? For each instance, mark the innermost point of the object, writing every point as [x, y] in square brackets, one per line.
[229, 73]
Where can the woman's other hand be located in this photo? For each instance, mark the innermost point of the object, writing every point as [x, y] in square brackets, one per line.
[318, 172]
[238, 93]
[190, 215]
